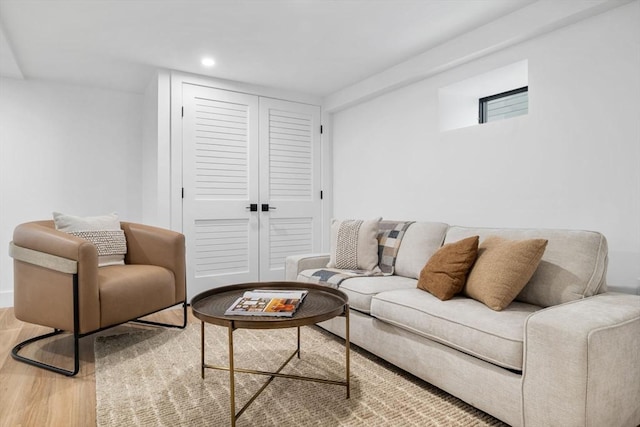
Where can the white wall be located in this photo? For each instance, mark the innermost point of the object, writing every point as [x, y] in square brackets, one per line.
[150, 154]
[156, 152]
[67, 148]
[572, 162]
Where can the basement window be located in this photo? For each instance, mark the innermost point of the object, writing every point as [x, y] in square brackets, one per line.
[504, 105]
[458, 101]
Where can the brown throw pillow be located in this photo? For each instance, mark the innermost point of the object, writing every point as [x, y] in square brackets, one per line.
[502, 270]
[446, 271]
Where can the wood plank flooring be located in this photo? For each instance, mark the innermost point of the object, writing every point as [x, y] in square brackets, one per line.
[31, 396]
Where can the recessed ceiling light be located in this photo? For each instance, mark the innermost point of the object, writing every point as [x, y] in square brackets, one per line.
[208, 62]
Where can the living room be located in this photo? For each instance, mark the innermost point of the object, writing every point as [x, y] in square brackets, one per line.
[88, 133]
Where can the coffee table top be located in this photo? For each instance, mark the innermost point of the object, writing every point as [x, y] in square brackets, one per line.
[321, 303]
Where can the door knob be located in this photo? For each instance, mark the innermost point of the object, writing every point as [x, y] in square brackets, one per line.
[253, 207]
[267, 208]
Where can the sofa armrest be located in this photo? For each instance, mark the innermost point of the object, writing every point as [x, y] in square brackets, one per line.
[157, 246]
[297, 263]
[582, 364]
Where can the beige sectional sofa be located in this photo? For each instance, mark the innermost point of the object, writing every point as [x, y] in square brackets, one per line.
[565, 353]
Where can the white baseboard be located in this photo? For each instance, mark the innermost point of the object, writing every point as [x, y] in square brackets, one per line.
[6, 299]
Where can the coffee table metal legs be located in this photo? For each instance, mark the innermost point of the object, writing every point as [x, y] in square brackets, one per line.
[347, 350]
[232, 380]
[202, 348]
[232, 369]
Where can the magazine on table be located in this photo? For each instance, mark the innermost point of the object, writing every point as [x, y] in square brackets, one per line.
[267, 302]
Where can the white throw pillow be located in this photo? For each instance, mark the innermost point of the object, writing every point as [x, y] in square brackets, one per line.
[103, 231]
[354, 244]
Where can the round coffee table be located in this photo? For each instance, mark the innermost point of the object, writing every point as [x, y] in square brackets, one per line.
[320, 304]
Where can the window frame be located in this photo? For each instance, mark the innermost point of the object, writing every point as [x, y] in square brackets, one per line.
[482, 102]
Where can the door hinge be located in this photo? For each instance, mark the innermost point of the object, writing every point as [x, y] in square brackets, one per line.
[183, 192]
[321, 129]
[321, 194]
[182, 112]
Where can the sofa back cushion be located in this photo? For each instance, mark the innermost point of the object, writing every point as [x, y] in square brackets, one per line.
[420, 241]
[573, 266]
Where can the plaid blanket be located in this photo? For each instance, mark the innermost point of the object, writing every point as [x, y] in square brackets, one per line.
[333, 277]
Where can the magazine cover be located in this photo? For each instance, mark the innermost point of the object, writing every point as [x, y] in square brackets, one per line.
[267, 303]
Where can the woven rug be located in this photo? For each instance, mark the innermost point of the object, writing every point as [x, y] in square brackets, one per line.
[152, 378]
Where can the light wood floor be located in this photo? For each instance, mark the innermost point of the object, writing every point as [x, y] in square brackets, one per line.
[31, 396]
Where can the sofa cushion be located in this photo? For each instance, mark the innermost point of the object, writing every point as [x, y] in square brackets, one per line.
[461, 323]
[354, 244]
[360, 290]
[445, 273]
[573, 266]
[502, 270]
[419, 243]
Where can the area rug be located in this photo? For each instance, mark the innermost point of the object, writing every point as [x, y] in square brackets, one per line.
[152, 378]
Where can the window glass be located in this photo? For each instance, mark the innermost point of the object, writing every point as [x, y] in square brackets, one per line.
[504, 105]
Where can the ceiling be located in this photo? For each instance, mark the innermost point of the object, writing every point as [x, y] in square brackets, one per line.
[312, 46]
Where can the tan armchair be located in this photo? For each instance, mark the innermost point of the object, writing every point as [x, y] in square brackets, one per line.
[57, 282]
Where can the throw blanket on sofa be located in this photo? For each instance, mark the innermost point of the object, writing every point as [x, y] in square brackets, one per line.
[389, 239]
[333, 277]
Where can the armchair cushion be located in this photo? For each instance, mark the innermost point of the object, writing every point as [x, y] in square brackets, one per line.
[103, 231]
[128, 291]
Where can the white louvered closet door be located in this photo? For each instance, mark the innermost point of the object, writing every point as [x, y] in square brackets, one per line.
[289, 183]
[220, 180]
